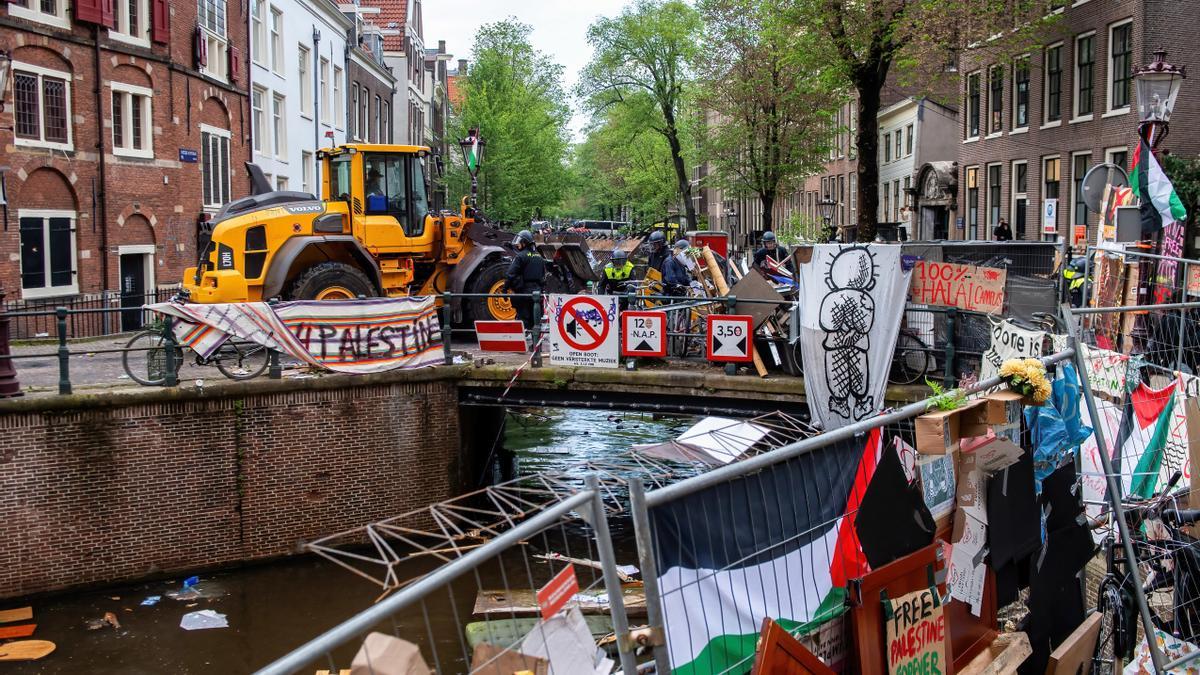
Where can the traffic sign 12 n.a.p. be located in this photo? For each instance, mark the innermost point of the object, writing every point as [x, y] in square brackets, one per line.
[583, 330]
[644, 334]
[730, 338]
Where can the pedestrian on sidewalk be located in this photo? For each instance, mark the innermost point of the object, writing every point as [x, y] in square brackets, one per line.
[1003, 231]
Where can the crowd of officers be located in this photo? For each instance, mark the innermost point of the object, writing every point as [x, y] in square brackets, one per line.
[527, 271]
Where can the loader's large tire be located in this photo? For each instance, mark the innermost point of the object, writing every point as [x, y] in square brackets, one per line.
[490, 279]
[332, 281]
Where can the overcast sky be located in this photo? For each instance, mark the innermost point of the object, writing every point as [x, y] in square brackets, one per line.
[559, 28]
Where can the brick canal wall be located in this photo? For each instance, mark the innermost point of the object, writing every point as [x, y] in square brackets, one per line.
[102, 489]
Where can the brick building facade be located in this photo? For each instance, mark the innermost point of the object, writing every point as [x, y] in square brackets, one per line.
[1032, 126]
[121, 127]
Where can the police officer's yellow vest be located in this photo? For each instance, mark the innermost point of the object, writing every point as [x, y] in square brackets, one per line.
[618, 273]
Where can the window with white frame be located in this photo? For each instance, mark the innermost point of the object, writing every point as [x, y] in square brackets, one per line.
[324, 102]
[886, 142]
[306, 172]
[277, 41]
[1020, 93]
[305, 81]
[365, 102]
[1085, 72]
[355, 130]
[48, 260]
[1050, 186]
[214, 165]
[281, 183]
[258, 119]
[973, 96]
[1079, 167]
[1018, 207]
[996, 99]
[278, 125]
[853, 134]
[1120, 66]
[1118, 156]
[132, 120]
[212, 17]
[52, 12]
[258, 31]
[973, 202]
[993, 196]
[1052, 98]
[887, 202]
[908, 141]
[42, 107]
[133, 21]
[339, 104]
[377, 136]
[385, 130]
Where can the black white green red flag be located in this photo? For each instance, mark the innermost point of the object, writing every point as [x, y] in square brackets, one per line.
[1160, 205]
[765, 545]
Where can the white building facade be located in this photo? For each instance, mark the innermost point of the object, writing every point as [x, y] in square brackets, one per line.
[915, 134]
[297, 87]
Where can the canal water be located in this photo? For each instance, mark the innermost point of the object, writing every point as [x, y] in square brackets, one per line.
[273, 608]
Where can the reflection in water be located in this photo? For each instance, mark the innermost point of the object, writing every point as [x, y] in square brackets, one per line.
[275, 607]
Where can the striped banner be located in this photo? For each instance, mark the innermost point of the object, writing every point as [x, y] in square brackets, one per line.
[351, 336]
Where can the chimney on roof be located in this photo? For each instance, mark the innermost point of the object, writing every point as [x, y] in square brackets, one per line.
[462, 66]
[441, 46]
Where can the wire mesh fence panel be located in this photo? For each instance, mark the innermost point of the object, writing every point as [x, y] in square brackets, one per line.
[1140, 362]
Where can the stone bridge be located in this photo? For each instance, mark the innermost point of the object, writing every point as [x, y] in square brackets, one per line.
[114, 486]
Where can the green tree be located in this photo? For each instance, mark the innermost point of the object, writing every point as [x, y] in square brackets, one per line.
[514, 95]
[768, 94]
[625, 163]
[868, 37]
[648, 49]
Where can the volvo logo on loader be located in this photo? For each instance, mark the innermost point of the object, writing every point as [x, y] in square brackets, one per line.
[305, 208]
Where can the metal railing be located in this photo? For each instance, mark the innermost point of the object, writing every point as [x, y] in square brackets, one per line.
[90, 315]
[587, 503]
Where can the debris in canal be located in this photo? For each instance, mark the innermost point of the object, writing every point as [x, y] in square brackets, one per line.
[25, 650]
[383, 654]
[151, 600]
[109, 619]
[23, 630]
[18, 614]
[203, 619]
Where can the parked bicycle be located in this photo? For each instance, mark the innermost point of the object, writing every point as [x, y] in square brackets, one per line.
[1169, 562]
[145, 357]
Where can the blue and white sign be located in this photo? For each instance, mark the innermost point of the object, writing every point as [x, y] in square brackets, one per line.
[1049, 216]
[188, 155]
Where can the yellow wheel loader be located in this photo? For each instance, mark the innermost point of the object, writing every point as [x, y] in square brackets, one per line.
[371, 234]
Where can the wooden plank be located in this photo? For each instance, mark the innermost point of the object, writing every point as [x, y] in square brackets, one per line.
[508, 632]
[25, 650]
[523, 602]
[1075, 653]
[1006, 653]
[723, 288]
[18, 614]
[20, 631]
[779, 653]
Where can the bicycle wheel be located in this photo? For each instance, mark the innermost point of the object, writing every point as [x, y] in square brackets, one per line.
[242, 360]
[145, 358]
[1108, 603]
[910, 362]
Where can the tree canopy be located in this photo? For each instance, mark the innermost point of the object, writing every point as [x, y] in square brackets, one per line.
[514, 95]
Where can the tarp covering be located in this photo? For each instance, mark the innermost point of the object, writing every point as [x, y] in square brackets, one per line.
[353, 336]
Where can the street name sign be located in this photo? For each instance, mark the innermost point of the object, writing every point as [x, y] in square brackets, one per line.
[644, 333]
[730, 338]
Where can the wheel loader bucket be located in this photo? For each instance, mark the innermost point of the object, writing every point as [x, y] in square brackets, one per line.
[577, 261]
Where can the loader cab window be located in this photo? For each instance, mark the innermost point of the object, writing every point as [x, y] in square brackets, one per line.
[393, 185]
[339, 178]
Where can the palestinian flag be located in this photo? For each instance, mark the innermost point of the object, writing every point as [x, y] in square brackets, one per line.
[1142, 439]
[1159, 204]
[764, 545]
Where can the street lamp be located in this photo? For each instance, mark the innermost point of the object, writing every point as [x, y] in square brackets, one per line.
[472, 149]
[828, 206]
[1158, 85]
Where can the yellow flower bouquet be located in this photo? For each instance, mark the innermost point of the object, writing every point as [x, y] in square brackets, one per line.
[1028, 378]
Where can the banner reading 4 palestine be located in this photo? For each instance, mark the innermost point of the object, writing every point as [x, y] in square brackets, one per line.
[760, 546]
[353, 336]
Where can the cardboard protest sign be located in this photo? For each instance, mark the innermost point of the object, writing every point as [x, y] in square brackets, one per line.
[941, 284]
[916, 633]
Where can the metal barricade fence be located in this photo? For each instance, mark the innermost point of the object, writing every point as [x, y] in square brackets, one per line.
[713, 564]
[506, 560]
[91, 314]
[1139, 367]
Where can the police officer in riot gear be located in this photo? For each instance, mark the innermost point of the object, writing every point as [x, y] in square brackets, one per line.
[1073, 273]
[770, 249]
[616, 273]
[525, 275]
[676, 277]
[658, 250]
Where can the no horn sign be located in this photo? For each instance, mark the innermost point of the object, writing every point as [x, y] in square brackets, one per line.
[730, 338]
[644, 333]
[582, 330]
